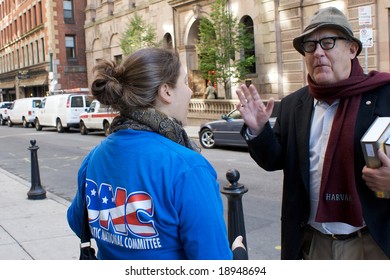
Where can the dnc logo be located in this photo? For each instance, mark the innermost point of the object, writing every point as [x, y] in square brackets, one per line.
[125, 213]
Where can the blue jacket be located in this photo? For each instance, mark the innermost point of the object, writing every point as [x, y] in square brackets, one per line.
[150, 198]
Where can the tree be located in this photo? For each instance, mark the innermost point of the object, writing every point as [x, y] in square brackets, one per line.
[138, 35]
[220, 39]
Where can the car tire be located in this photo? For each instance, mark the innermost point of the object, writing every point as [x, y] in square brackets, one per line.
[10, 123]
[106, 128]
[83, 129]
[38, 126]
[2, 121]
[25, 123]
[60, 128]
[206, 139]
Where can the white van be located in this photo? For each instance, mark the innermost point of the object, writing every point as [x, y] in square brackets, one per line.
[23, 111]
[61, 111]
[4, 108]
[97, 118]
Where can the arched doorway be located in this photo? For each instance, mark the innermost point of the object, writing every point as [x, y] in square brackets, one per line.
[196, 82]
[248, 22]
[167, 41]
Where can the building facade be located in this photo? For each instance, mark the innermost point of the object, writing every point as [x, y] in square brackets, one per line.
[42, 47]
[48, 46]
[279, 68]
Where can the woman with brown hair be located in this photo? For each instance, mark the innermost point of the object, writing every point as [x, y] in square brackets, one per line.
[149, 192]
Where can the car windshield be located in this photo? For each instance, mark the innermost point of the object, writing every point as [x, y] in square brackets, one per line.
[235, 114]
[6, 105]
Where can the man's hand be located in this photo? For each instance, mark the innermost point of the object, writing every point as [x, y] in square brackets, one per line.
[253, 111]
[378, 179]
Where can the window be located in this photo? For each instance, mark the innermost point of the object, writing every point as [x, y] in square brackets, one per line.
[24, 23]
[70, 47]
[20, 30]
[13, 61]
[32, 53]
[8, 62]
[167, 41]
[17, 59]
[36, 103]
[91, 108]
[34, 16]
[118, 59]
[43, 48]
[248, 22]
[39, 14]
[15, 28]
[6, 105]
[43, 103]
[68, 11]
[28, 23]
[37, 50]
[76, 102]
[23, 57]
[27, 56]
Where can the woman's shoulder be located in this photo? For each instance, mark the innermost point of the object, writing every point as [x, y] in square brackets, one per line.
[152, 141]
[179, 152]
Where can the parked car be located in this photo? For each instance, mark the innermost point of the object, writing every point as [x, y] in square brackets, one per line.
[97, 118]
[23, 111]
[4, 108]
[61, 111]
[224, 132]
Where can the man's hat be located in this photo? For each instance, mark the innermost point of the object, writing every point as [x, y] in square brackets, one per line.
[329, 17]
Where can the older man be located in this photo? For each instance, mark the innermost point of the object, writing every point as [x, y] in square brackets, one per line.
[329, 208]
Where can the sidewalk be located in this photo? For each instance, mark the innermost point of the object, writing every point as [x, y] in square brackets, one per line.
[37, 229]
[33, 229]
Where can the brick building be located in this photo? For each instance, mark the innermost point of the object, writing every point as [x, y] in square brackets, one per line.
[279, 69]
[42, 47]
[68, 37]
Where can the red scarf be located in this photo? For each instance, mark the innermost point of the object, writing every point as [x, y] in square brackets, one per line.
[339, 200]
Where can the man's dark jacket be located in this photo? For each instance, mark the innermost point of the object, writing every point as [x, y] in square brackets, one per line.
[287, 147]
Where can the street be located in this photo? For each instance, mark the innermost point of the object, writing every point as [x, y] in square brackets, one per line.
[60, 156]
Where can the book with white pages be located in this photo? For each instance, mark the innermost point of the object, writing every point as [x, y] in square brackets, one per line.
[373, 140]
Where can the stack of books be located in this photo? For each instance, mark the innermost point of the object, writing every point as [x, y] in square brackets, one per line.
[377, 137]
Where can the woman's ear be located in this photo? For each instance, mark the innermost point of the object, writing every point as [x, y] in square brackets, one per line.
[165, 94]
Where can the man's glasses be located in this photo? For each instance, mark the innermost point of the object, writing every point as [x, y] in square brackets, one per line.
[325, 43]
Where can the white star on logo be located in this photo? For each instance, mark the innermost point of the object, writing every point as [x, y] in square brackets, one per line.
[105, 200]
